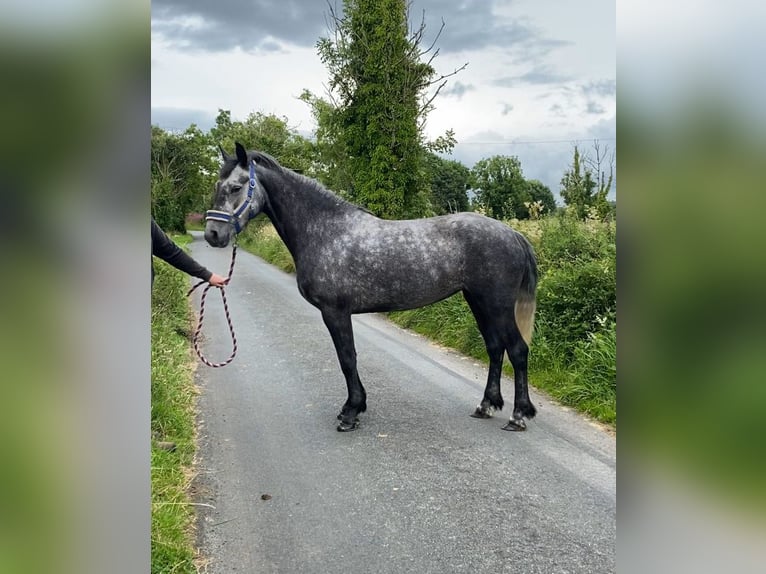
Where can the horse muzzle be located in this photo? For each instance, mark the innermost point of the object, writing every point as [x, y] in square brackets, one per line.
[217, 234]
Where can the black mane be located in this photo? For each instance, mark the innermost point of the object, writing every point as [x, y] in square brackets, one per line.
[268, 162]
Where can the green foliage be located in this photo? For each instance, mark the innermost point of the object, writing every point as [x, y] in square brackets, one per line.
[261, 238]
[563, 240]
[172, 419]
[448, 181]
[501, 189]
[373, 127]
[583, 191]
[449, 321]
[185, 166]
[181, 173]
[573, 299]
[267, 133]
[539, 192]
[577, 291]
[577, 186]
[331, 165]
[582, 374]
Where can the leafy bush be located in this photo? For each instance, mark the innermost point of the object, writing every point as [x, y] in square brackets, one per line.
[574, 299]
[563, 239]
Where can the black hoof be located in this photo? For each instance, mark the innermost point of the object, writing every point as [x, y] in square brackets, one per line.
[481, 413]
[344, 426]
[516, 425]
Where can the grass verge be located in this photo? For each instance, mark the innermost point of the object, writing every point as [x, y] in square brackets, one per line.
[172, 420]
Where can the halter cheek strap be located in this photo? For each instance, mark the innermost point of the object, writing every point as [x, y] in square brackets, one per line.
[233, 218]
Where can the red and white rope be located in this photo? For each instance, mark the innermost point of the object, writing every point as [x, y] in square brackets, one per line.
[198, 331]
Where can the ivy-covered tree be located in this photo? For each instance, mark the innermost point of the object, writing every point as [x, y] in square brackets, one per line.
[330, 160]
[378, 104]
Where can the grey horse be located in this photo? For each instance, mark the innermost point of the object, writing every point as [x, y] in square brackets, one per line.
[349, 261]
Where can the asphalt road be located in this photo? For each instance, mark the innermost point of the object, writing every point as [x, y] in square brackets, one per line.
[420, 487]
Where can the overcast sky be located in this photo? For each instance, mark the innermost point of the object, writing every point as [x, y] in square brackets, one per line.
[538, 71]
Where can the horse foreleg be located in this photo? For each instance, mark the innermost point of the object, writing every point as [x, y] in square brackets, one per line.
[518, 351]
[339, 325]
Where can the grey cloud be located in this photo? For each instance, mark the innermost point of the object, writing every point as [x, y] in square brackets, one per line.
[604, 129]
[557, 110]
[473, 25]
[603, 88]
[537, 76]
[249, 24]
[594, 108]
[457, 89]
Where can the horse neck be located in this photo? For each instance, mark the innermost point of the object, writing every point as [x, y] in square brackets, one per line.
[293, 204]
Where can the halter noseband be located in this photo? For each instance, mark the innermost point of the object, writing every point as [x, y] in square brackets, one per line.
[233, 218]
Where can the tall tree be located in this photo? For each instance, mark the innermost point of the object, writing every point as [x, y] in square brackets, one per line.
[378, 104]
[263, 132]
[581, 191]
[180, 175]
[538, 191]
[448, 180]
[601, 160]
[500, 187]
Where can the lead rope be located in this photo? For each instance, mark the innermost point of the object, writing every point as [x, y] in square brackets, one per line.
[226, 310]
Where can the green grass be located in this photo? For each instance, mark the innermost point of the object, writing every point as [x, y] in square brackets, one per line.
[579, 373]
[172, 419]
[261, 239]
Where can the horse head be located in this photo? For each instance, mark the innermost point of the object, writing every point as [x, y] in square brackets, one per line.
[239, 197]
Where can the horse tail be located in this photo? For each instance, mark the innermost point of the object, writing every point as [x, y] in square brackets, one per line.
[524, 308]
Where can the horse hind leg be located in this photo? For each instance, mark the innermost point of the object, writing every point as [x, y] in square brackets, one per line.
[493, 398]
[518, 352]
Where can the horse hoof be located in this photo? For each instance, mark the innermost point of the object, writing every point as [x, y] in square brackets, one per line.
[481, 413]
[344, 426]
[516, 425]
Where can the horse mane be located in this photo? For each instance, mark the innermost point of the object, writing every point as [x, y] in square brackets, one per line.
[264, 160]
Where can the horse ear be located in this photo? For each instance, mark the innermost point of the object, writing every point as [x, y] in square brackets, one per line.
[241, 154]
[224, 155]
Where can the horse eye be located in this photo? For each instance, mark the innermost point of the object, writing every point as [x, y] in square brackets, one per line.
[235, 188]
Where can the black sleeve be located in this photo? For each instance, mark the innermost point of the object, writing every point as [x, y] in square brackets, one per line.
[164, 248]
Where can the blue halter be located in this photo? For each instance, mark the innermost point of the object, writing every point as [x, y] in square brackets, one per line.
[233, 218]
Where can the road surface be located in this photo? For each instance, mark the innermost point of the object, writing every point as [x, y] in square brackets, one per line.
[420, 487]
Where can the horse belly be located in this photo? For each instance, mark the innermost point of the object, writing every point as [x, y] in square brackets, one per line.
[406, 290]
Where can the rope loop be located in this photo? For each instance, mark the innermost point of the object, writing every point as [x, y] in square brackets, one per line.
[198, 331]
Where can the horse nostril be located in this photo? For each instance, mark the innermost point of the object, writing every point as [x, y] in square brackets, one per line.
[211, 235]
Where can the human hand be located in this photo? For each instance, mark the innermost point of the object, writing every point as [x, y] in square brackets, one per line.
[217, 281]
